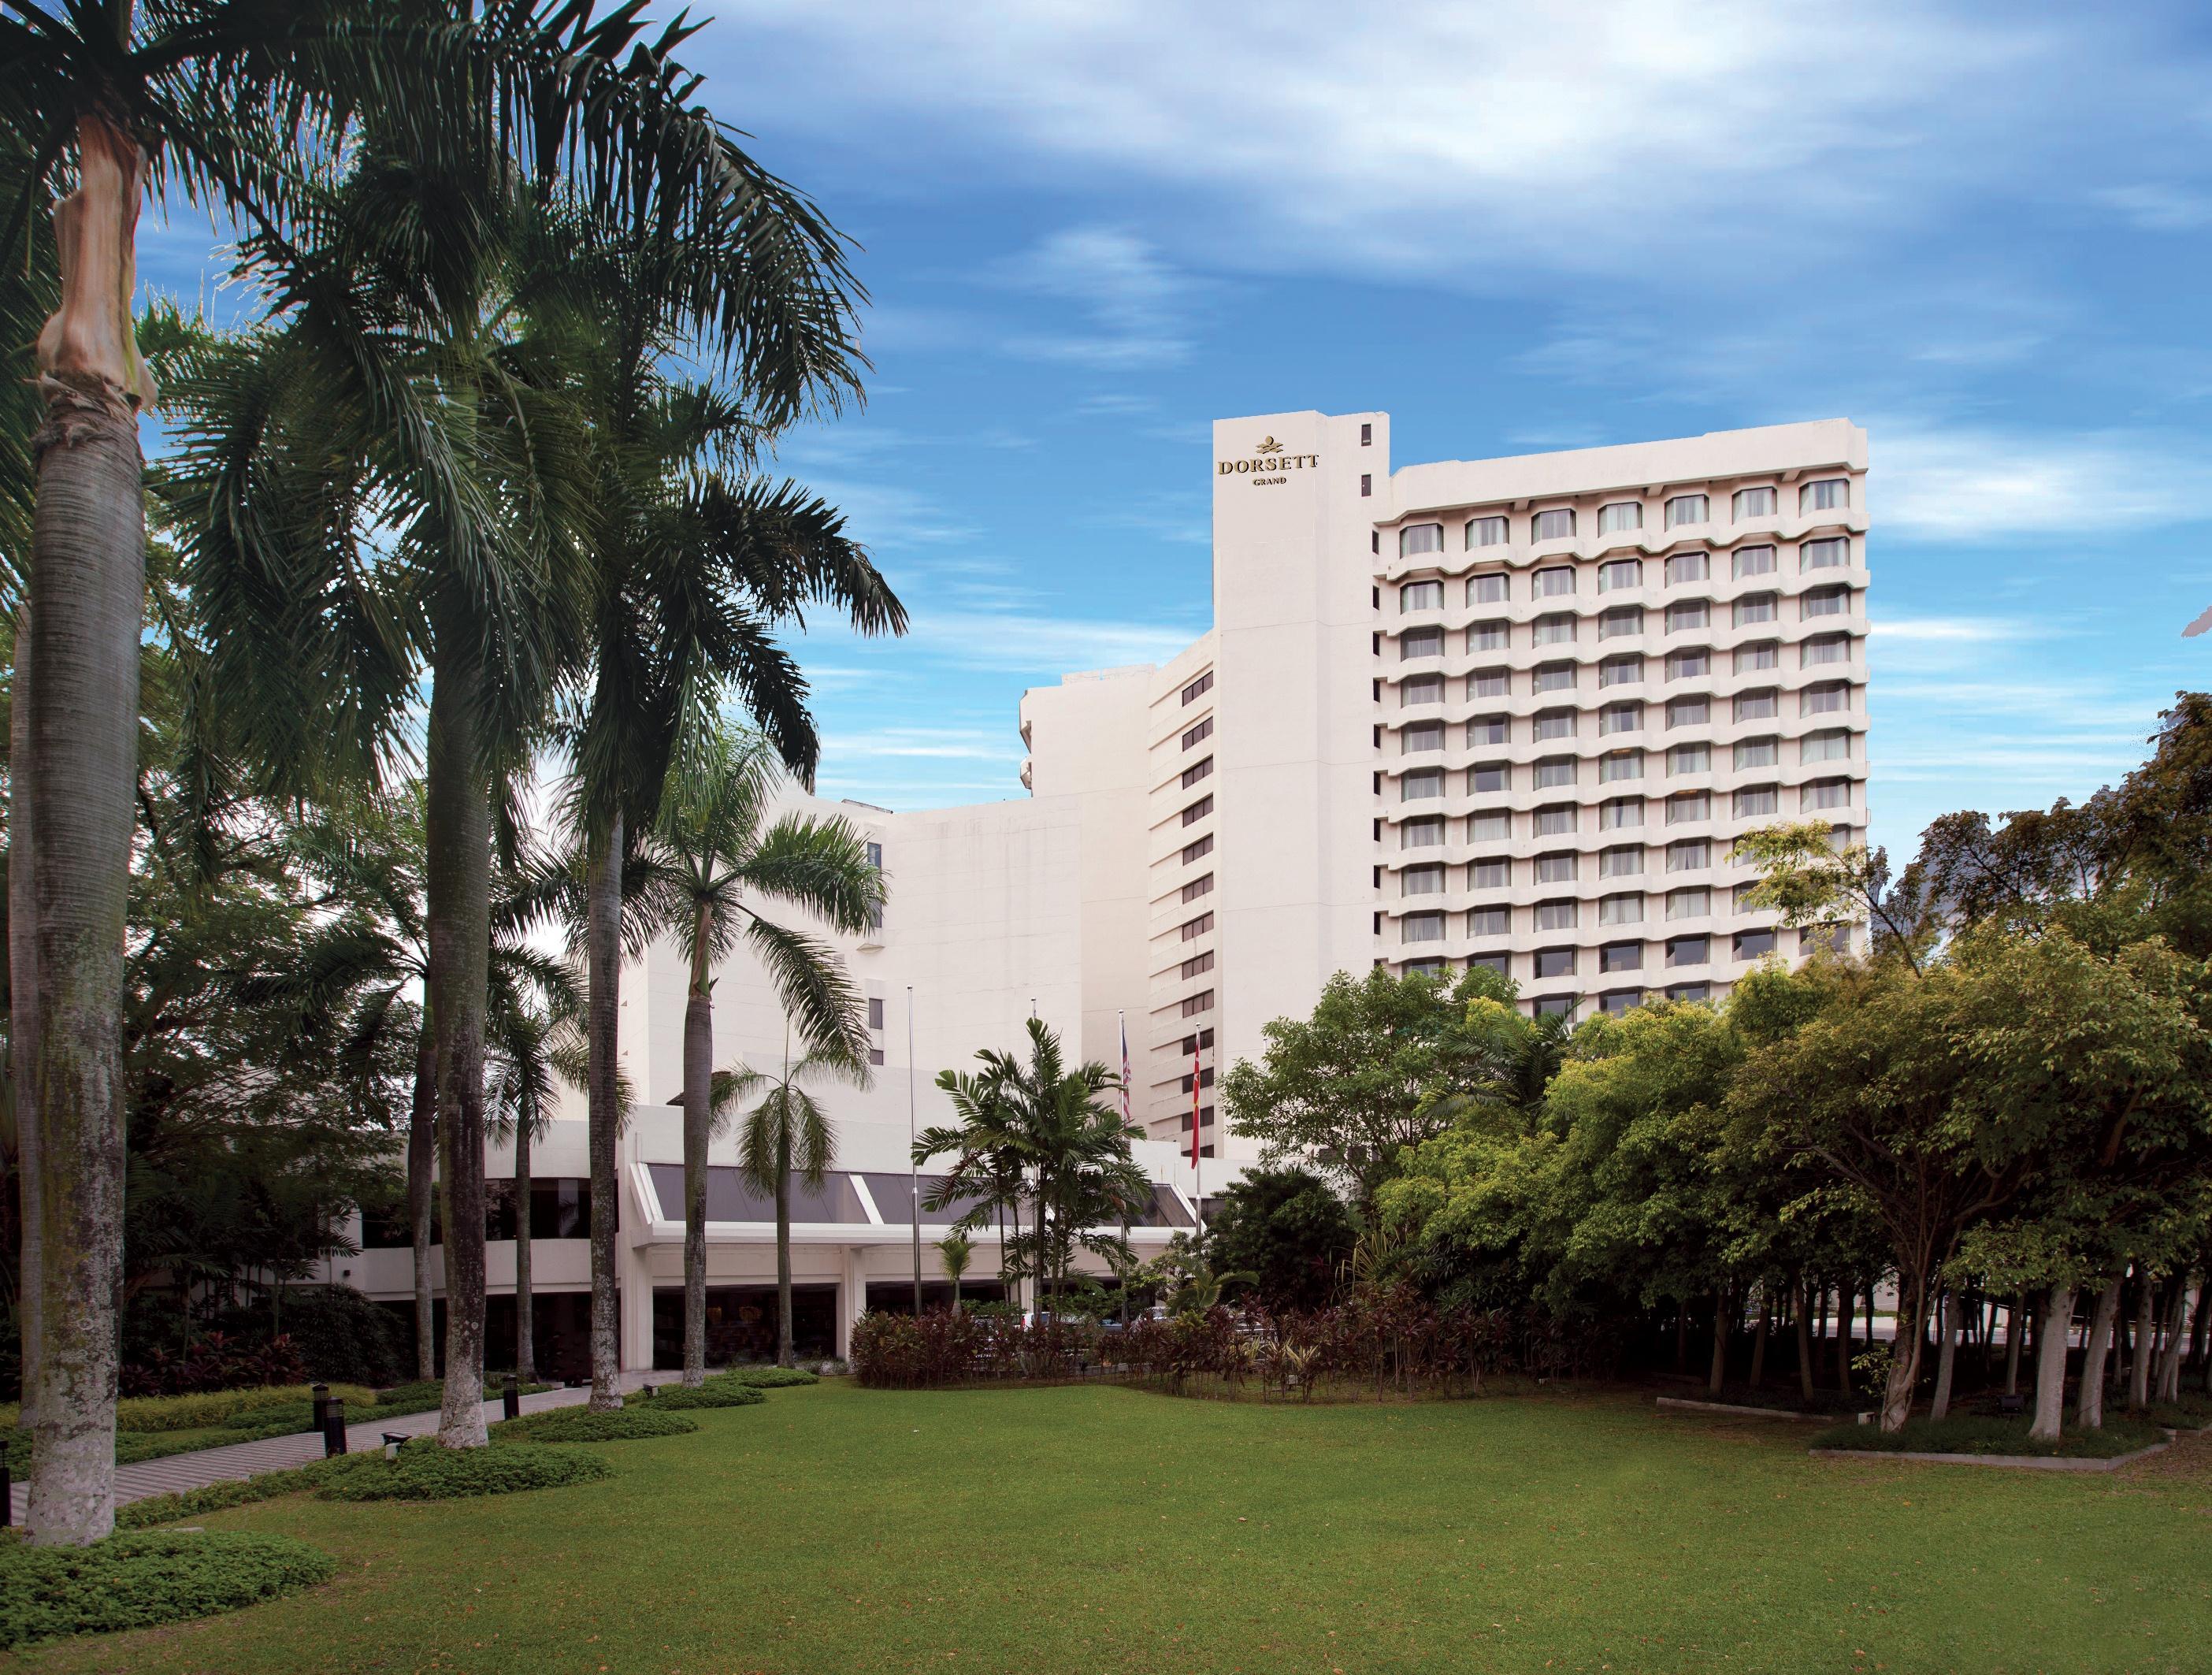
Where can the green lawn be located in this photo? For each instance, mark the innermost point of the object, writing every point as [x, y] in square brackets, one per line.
[1086, 1529]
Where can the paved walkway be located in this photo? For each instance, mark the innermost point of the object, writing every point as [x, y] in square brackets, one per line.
[240, 1460]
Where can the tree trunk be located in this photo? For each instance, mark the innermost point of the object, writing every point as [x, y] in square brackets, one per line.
[88, 595]
[698, 1088]
[1759, 1342]
[1951, 1316]
[1716, 1375]
[2090, 1407]
[525, 1327]
[603, 882]
[2168, 1386]
[2015, 1323]
[783, 1251]
[1844, 1301]
[23, 1017]
[457, 895]
[1682, 1337]
[422, 1171]
[2051, 1338]
[1904, 1361]
[1805, 1387]
[2197, 1327]
[2139, 1364]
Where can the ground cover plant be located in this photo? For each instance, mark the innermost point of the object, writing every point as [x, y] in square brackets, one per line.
[425, 1472]
[628, 1424]
[708, 1395]
[766, 1378]
[1992, 1433]
[138, 1580]
[1113, 1529]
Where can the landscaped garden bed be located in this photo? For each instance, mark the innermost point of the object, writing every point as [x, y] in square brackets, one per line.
[141, 1580]
[1994, 1436]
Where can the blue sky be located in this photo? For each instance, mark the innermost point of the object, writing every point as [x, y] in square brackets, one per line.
[1980, 232]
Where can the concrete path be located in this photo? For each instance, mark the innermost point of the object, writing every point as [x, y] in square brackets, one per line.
[240, 1460]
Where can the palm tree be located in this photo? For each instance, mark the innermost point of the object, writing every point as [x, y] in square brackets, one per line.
[956, 1250]
[537, 1042]
[713, 853]
[230, 102]
[788, 1132]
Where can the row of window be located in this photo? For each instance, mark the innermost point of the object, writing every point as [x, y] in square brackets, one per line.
[1680, 511]
[1564, 819]
[1614, 574]
[1687, 855]
[1692, 663]
[1565, 913]
[1417, 784]
[1564, 627]
[1417, 738]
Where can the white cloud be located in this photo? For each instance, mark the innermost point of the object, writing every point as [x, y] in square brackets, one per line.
[2157, 208]
[1952, 630]
[1043, 646]
[1133, 299]
[1968, 485]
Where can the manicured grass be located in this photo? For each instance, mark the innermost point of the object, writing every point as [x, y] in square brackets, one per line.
[1086, 1529]
[1986, 1434]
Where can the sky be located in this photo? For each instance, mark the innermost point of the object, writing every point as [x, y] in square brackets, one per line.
[1087, 231]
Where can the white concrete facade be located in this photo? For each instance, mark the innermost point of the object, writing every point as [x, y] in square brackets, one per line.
[1513, 711]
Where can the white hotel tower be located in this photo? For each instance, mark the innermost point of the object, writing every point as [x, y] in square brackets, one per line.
[1509, 712]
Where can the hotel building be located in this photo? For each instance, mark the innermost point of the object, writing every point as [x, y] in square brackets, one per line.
[1510, 712]
[1503, 712]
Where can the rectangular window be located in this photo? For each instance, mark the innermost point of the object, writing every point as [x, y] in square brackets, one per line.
[1828, 648]
[1689, 613]
[1619, 765]
[1753, 503]
[1690, 856]
[1688, 950]
[1558, 868]
[1485, 531]
[1493, 873]
[1551, 526]
[1688, 567]
[1627, 862]
[1618, 812]
[1198, 964]
[875, 1012]
[1366, 485]
[1558, 629]
[1620, 718]
[875, 855]
[875, 1056]
[1757, 753]
[1827, 794]
[1427, 880]
[1754, 560]
[1688, 904]
[1421, 737]
[1198, 886]
[1621, 909]
[1417, 538]
[1691, 993]
[1757, 706]
[1490, 826]
[1196, 771]
[1555, 583]
[1694, 664]
[1620, 957]
[1489, 636]
[1421, 784]
[1488, 730]
[1832, 745]
[1490, 922]
[1828, 554]
[1555, 771]
[1424, 833]
[1198, 811]
[1752, 609]
[1421, 928]
[1829, 698]
[1755, 803]
[1825, 939]
[1198, 850]
[1490, 776]
[1195, 928]
[1690, 759]
[1753, 944]
[1620, 1001]
[1556, 914]
[1620, 671]
[1557, 820]
[1201, 1002]
[1555, 724]
[1831, 494]
[1741, 898]
[1761, 655]
[1420, 643]
[1555, 678]
[1554, 963]
[1619, 620]
[1826, 602]
[1687, 509]
[1688, 806]
[1688, 712]
[1420, 689]
[1618, 573]
[1486, 589]
[1622, 514]
[1197, 688]
[1203, 730]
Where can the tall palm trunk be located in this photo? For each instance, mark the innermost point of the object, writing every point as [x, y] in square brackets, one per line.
[23, 1024]
[698, 1079]
[783, 1245]
[2090, 1407]
[458, 897]
[526, 1337]
[603, 881]
[422, 1158]
[88, 591]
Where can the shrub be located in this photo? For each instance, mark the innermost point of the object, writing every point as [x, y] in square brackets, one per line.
[704, 1396]
[217, 1361]
[767, 1377]
[157, 1509]
[219, 1407]
[426, 1472]
[338, 1333]
[1980, 1433]
[898, 1351]
[628, 1424]
[136, 1581]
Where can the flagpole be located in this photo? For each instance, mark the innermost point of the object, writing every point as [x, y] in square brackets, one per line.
[914, 1163]
[1197, 1167]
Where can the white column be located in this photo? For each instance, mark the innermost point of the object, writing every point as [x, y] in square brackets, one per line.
[852, 1296]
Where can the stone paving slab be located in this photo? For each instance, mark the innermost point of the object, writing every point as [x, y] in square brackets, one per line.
[237, 1461]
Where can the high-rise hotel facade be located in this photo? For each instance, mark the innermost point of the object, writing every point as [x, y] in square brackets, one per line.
[1507, 712]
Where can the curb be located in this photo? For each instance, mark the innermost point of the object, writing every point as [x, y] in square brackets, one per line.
[2017, 1462]
[1686, 1405]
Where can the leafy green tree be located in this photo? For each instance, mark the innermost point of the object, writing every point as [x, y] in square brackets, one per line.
[1381, 1064]
[787, 1132]
[714, 851]
[957, 1252]
[1287, 1229]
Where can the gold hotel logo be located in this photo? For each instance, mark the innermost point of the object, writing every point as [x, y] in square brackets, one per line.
[1268, 462]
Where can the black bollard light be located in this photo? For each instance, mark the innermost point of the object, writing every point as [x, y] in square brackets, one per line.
[510, 1397]
[321, 1392]
[334, 1436]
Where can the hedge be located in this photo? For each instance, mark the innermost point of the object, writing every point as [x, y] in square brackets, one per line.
[709, 1395]
[426, 1472]
[626, 1424]
[767, 1377]
[138, 1580]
